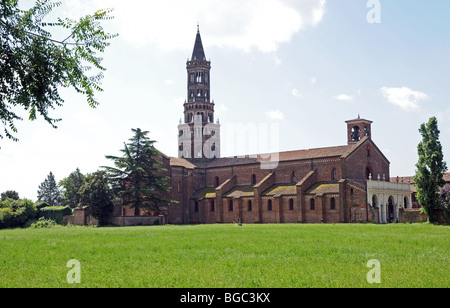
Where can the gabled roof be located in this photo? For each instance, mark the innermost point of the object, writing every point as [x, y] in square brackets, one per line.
[343, 151]
[336, 151]
[181, 162]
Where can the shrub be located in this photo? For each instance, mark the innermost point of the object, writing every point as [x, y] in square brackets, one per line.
[43, 223]
[16, 213]
[6, 215]
[55, 213]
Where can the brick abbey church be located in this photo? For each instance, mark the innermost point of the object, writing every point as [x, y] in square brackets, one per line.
[338, 184]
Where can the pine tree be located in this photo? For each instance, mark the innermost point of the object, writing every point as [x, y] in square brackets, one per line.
[48, 191]
[137, 176]
[431, 167]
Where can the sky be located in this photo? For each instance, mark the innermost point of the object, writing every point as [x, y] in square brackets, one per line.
[295, 69]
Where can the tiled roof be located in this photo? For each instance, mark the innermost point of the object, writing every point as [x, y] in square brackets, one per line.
[280, 189]
[240, 191]
[283, 156]
[181, 162]
[324, 188]
[207, 193]
[411, 178]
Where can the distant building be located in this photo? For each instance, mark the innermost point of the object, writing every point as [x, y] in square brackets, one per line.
[410, 181]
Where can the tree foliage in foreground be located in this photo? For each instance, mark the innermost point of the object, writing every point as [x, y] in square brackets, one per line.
[138, 176]
[34, 65]
[96, 193]
[431, 167]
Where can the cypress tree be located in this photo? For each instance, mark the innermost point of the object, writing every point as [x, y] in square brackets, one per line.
[431, 167]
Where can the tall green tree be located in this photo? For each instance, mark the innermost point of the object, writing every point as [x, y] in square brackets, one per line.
[49, 192]
[71, 188]
[96, 193]
[34, 64]
[431, 167]
[138, 177]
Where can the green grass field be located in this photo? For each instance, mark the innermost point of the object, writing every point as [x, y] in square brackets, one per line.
[210, 256]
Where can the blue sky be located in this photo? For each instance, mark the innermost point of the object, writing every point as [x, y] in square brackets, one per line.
[304, 67]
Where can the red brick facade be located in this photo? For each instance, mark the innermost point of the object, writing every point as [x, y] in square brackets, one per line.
[306, 186]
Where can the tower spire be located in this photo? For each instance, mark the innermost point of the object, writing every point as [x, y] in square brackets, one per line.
[199, 52]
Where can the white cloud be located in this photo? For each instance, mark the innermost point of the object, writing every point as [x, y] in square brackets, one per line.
[404, 97]
[275, 115]
[245, 25]
[296, 93]
[344, 97]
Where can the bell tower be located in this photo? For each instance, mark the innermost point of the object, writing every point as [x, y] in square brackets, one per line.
[198, 135]
[357, 129]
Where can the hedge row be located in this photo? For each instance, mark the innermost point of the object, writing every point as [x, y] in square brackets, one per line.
[55, 213]
[21, 213]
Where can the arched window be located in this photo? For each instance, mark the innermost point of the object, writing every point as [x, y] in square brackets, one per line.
[375, 201]
[230, 206]
[356, 133]
[196, 206]
[312, 204]
[332, 204]
[249, 207]
[213, 206]
[294, 177]
[269, 205]
[368, 152]
[216, 181]
[334, 175]
[291, 204]
[253, 179]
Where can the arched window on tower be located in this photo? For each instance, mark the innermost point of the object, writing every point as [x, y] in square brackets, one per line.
[253, 179]
[356, 133]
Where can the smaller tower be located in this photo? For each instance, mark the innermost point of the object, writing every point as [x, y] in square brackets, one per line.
[357, 129]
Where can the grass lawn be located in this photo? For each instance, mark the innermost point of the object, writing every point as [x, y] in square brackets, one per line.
[210, 256]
